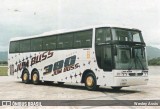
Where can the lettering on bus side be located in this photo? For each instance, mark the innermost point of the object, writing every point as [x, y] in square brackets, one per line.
[58, 67]
[34, 60]
[68, 63]
[41, 57]
[22, 65]
[48, 69]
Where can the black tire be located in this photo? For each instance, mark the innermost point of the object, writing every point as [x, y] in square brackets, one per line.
[116, 88]
[25, 77]
[35, 77]
[90, 81]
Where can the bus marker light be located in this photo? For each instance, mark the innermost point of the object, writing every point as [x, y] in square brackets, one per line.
[88, 54]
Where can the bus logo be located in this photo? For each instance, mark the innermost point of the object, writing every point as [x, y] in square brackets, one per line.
[68, 63]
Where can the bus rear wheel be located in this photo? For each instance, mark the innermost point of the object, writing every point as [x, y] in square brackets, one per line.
[25, 77]
[35, 78]
[90, 81]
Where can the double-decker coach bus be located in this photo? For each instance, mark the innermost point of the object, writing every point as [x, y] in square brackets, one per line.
[96, 56]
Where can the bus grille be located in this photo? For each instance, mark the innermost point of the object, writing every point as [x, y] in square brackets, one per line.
[140, 74]
[134, 74]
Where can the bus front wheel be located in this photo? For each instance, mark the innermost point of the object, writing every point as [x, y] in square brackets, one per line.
[90, 81]
[35, 78]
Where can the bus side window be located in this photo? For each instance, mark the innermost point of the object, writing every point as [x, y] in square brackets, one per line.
[65, 41]
[103, 35]
[49, 43]
[83, 39]
[25, 45]
[87, 41]
[36, 44]
[14, 47]
[78, 39]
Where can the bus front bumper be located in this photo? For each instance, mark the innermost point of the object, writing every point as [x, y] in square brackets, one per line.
[130, 81]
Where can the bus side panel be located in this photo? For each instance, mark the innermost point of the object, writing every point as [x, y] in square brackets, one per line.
[14, 65]
[67, 70]
[57, 65]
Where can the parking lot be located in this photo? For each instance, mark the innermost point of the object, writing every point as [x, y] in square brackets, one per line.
[11, 89]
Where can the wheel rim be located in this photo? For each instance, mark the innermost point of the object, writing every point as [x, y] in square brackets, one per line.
[25, 76]
[89, 81]
[35, 77]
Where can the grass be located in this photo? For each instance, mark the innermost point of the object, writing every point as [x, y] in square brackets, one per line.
[3, 71]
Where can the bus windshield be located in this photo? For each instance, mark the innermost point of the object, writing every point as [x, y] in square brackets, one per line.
[130, 58]
[126, 35]
[130, 54]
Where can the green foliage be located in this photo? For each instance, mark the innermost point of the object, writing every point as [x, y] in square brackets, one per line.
[154, 61]
[3, 63]
[3, 71]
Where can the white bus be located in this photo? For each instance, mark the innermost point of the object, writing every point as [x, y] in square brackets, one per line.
[96, 56]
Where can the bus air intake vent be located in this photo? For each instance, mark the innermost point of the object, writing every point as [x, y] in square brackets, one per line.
[132, 74]
[140, 74]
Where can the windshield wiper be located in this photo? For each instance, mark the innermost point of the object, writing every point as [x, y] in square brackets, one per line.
[130, 65]
[139, 61]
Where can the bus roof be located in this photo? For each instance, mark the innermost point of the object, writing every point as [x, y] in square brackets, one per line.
[67, 31]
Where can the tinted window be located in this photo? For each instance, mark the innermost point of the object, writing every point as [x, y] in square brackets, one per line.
[25, 46]
[14, 47]
[107, 58]
[122, 35]
[123, 59]
[136, 36]
[36, 44]
[49, 43]
[83, 39]
[127, 35]
[104, 57]
[65, 41]
[103, 35]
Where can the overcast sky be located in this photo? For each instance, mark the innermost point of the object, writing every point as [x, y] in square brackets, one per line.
[31, 17]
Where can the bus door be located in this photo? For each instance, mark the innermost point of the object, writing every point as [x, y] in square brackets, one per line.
[104, 57]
